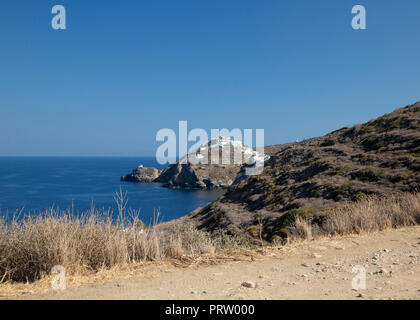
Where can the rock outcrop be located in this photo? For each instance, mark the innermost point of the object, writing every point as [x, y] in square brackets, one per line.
[142, 174]
[308, 178]
[215, 165]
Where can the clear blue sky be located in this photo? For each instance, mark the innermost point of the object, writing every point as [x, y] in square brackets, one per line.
[124, 69]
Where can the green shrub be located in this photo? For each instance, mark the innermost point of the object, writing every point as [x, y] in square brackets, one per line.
[343, 189]
[341, 171]
[373, 143]
[327, 143]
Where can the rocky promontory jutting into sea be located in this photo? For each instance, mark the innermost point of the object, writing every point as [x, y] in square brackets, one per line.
[217, 164]
[307, 179]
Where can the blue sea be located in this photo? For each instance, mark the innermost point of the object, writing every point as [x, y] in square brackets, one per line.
[38, 183]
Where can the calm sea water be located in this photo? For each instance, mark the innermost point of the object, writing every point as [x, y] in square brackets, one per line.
[38, 183]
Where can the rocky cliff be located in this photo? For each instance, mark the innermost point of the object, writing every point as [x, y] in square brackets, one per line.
[142, 174]
[308, 178]
[216, 164]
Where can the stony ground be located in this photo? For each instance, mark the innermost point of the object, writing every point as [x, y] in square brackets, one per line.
[319, 269]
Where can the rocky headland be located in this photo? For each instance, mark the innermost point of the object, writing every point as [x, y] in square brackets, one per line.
[308, 179]
[142, 174]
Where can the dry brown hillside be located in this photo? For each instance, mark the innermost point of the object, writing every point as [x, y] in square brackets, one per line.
[306, 179]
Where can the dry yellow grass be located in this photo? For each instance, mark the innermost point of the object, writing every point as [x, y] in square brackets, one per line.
[370, 214]
[94, 246]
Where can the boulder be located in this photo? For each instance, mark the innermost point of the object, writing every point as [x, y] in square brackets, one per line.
[141, 174]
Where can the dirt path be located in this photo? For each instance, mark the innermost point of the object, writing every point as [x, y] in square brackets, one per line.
[312, 270]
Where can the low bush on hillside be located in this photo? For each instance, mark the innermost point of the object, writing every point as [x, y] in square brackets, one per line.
[32, 245]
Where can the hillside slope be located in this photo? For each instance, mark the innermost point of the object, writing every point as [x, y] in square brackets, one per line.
[320, 269]
[306, 179]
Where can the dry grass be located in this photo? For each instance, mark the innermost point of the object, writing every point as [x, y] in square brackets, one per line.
[370, 214]
[31, 246]
[94, 242]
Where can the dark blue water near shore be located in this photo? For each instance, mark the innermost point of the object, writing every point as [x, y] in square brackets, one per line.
[37, 183]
